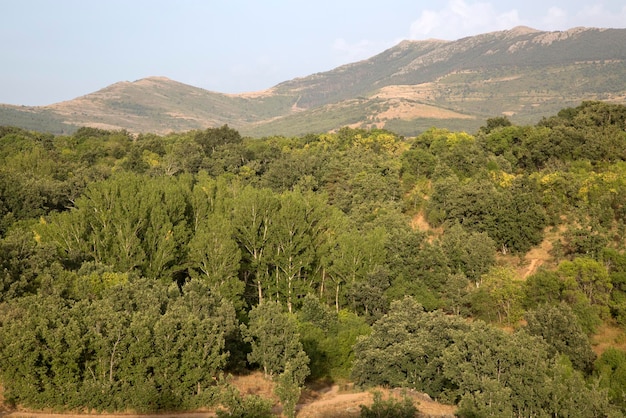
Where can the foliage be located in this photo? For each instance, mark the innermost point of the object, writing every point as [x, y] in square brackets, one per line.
[470, 253]
[142, 345]
[277, 349]
[587, 290]
[329, 343]
[482, 368]
[542, 287]
[498, 297]
[273, 337]
[405, 349]
[512, 215]
[249, 406]
[611, 370]
[129, 221]
[22, 263]
[128, 264]
[559, 327]
[389, 408]
[499, 374]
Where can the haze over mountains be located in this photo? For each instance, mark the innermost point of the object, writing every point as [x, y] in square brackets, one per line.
[522, 73]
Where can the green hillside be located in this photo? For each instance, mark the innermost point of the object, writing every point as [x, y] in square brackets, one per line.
[522, 73]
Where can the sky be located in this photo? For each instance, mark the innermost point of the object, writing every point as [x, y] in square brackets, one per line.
[56, 50]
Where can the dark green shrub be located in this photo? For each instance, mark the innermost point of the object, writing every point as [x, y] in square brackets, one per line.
[389, 408]
[252, 406]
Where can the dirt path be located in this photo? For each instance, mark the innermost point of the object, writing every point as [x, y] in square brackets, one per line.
[335, 404]
[20, 414]
[325, 402]
[532, 267]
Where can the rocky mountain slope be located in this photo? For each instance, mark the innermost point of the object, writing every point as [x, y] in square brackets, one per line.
[522, 73]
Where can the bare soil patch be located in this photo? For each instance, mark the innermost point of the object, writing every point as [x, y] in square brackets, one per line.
[419, 223]
[401, 100]
[399, 109]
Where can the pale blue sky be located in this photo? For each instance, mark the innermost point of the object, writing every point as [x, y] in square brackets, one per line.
[55, 50]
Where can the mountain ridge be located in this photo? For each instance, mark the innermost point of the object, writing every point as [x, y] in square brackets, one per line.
[523, 73]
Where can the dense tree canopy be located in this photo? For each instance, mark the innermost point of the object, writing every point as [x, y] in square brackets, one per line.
[136, 269]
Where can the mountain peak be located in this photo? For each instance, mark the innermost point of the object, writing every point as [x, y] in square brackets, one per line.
[152, 80]
[156, 78]
[522, 30]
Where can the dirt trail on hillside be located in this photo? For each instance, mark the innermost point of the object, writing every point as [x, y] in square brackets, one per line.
[541, 254]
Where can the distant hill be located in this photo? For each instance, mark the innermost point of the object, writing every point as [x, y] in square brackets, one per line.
[522, 73]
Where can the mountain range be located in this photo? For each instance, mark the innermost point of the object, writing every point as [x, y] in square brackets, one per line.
[522, 73]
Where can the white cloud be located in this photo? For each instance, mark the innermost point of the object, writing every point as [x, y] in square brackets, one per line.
[461, 18]
[598, 16]
[591, 16]
[555, 19]
[345, 52]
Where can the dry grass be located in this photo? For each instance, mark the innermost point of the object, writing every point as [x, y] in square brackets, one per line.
[321, 400]
[419, 223]
[254, 384]
[400, 109]
[608, 336]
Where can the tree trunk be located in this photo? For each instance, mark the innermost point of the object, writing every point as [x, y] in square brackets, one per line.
[112, 360]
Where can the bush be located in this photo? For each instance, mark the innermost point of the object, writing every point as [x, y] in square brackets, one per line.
[252, 406]
[389, 408]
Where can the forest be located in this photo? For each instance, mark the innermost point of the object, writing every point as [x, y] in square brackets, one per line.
[139, 272]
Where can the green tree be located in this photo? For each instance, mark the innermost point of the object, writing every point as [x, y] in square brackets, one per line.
[183, 155]
[352, 256]
[610, 367]
[130, 222]
[42, 346]
[290, 382]
[470, 253]
[587, 289]
[559, 327]
[276, 347]
[238, 406]
[189, 344]
[369, 295]
[214, 252]
[458, 150]
[499, 296]
[500, 373]
[495, 123]
[23, 263]
[211, 138]
[417, 163]
[511, 214]
[273, 335]
[138, 344]
[405, 349]
[486, 364]
[252, 218]
[299, 231]
[428, 281]
[542, 287]
[571, 395]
